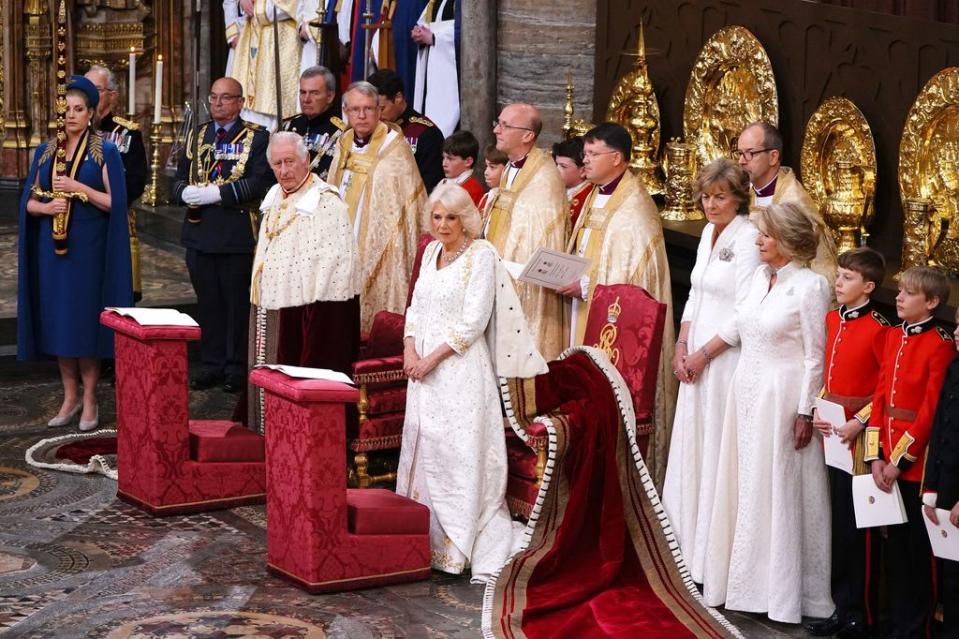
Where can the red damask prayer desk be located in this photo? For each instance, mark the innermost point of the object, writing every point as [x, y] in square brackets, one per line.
[167, 463]
[321, 535]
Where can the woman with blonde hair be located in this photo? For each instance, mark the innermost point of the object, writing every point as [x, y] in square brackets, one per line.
[725, 262]
[453, 455]
[768, 546]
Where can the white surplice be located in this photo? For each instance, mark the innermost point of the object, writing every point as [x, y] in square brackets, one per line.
[768, 549]
[453, 456]
[719, 282]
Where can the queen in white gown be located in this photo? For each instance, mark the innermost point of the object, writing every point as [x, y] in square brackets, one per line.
[453, 455]
[768, 547]
[725, 262]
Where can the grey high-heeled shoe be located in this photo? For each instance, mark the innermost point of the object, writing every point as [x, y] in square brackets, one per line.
[63, 420]
[90, 424]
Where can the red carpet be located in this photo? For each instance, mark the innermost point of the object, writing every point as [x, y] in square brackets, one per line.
[600, 559]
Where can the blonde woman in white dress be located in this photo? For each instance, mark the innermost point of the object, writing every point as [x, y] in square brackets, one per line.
[768, 549]
[453, 456]
[725, 262]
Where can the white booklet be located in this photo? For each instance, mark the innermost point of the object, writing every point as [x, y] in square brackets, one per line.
[837, 453]
[875, 507]
[154, 316]
[943, 538]
[553, 269]
[302, 372]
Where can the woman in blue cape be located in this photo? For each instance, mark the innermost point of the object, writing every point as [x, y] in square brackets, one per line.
[64, 284]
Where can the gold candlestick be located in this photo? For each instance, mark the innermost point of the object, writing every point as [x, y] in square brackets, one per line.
[150, 195]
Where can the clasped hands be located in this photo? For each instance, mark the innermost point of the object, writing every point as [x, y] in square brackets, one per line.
[884, 474]
[688, 367]
[416, 367]
[201, 195]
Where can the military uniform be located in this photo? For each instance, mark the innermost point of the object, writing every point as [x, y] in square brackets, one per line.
[319, 134]
[220, 238]
[126, 135]
[855, 338]
[941, 486]
[426, 140]
[914, 362]
[577, 197]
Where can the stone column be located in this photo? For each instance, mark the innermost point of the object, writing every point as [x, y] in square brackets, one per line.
[14, 129]
[537, 42]
[478, 70]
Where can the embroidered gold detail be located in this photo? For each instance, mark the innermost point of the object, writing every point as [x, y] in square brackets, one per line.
[129, 124]
[902, 449]
[609, 333]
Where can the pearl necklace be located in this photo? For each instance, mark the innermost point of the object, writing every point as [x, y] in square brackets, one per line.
[448, 259]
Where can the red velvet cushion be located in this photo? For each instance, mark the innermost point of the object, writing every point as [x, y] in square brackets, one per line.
[638, 337]
[520, 458]
[376, 511]
[386, 400]
[381, 426]
[224, 441]
[386, 335]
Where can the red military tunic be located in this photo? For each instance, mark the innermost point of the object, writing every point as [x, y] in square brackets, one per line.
[577, 200]
[914, 361]
[854, 345]
[475, 189]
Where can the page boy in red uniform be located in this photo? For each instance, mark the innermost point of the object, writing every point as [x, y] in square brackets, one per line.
[915, 358]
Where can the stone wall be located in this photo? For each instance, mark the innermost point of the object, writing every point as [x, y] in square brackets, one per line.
[536, 43]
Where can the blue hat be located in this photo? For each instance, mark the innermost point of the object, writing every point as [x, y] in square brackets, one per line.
[90, 89]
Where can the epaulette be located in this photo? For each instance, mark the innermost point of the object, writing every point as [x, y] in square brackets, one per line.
[129, 124]
[944, 334]
[291, 118]
[880, 318]
[424, 121]
[338, 123]
[252, 125]
[206, 122]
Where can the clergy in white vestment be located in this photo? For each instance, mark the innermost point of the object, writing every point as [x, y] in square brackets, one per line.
[453, 456]
[620, 232]
[233, 22]
[768, 548]
[436, 91]
[726, 260]
[306, 271]
[375, 172]
[254, 59]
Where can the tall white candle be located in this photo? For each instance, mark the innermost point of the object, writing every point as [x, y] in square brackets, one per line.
[131, 84]
[158, 90]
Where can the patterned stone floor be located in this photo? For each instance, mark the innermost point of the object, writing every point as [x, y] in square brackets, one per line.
[75, 562]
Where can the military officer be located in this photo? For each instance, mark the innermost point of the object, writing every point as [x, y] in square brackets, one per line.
[126, 135]
[219, 231]
[319, 120]
[424, 137]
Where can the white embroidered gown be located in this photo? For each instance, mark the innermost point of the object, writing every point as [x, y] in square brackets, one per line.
[768, 549]
[720, 280]
[453, 456]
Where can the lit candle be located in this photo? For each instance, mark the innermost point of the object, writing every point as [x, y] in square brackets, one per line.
[158, 90]
[131, 84]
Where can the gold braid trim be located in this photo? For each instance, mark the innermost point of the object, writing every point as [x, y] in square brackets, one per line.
[48, 152]
[95, 149]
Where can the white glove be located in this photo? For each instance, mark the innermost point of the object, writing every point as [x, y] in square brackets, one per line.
[191, 195]
[205, 195]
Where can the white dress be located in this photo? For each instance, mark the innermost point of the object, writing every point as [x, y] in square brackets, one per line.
[768, 548]
[453, 457]
[719, 282]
